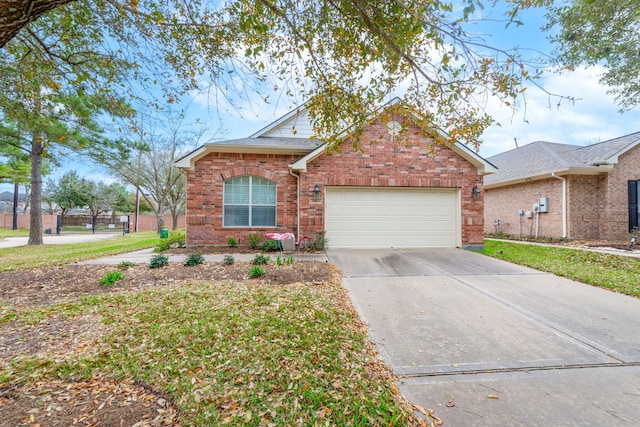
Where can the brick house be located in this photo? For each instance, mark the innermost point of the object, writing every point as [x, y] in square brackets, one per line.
[590, 192]
[412, 193]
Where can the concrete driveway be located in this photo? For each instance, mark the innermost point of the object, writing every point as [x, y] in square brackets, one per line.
[487, 343]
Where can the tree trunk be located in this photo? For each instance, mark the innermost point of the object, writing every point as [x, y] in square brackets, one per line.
[15, 14]
[174, 217]
[35, 217]
[16, 199]
[160, 215]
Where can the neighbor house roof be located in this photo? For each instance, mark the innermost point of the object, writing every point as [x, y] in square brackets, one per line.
[542, 159]
[7, 196]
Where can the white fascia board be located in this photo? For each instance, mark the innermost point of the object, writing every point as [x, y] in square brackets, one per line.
[188, 161]
[614, 159]
[484, 167]
[301, 164]
[546, 175]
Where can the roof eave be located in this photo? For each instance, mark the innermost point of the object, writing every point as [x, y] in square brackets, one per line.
[188, 161]
[300, 165]
[484, 166]
[545, 175]
[614, 158]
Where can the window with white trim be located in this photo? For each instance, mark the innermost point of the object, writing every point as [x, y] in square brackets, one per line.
[249, 201]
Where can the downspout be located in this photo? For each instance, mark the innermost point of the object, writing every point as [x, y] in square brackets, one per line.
[297, 203]
[564, 203]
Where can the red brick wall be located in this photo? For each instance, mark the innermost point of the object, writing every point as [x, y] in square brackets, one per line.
[616, 213]
[205, 186]
[585, 202]
[503, 204]
[6, 221]
[382, 163]
[597, 205]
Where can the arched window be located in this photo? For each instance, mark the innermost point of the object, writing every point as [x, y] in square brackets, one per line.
[249, 201]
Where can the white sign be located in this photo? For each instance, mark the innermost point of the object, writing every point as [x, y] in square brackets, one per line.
[89, 226]
[124, 218]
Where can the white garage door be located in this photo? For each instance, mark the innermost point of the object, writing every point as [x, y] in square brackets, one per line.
[361, 217]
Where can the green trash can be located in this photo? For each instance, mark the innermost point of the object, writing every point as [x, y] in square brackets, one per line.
[164, 233]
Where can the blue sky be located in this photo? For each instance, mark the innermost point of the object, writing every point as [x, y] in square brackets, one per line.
[594, 117]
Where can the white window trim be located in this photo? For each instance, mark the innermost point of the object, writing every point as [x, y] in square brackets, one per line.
[275, 205]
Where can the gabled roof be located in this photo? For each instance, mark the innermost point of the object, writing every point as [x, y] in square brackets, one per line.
[483, 166]
[262, 142]
[542, 159]
[294, 119]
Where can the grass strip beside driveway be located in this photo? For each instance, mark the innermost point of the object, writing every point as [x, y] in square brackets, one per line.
[241, 354]
[616, 272]
[49, 255]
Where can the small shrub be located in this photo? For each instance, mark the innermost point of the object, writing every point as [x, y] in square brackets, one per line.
[231, 241]
[256, 272]
[269, 245]
[228, 260]
[176, 239]
[499, 235]
[284, 261]
[254, 240]
[320, 243]
[159, 261]
[126, 264]
[194, 259]
[260, 259]
[111, 278]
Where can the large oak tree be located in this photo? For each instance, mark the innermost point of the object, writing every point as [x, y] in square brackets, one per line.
[345, 56]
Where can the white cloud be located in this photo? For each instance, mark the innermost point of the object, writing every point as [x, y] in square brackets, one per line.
[593, 117]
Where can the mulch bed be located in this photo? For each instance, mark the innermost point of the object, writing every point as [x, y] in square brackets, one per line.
[99, 401]
[43, 286]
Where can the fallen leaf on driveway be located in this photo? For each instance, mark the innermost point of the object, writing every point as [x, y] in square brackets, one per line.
[451, 403]
[492, 396]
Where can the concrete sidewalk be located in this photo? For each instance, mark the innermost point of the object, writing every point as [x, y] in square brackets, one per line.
[144, 257]
[57, 239]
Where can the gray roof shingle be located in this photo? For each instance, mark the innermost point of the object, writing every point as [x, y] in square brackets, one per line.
[542, 158]
[272, 142]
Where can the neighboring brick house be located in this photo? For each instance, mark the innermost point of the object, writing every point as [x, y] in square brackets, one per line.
[391, 194]
[592, 191]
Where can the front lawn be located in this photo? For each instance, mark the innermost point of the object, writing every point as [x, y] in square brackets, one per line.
[198, 353]
[616, 272]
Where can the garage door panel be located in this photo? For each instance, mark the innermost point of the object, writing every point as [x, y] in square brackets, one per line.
[392, 217]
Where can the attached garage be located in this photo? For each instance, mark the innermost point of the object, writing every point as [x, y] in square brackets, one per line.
[376, 217]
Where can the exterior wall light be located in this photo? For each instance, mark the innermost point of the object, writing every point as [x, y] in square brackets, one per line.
[475, 192]
[316, 191]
